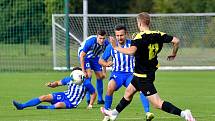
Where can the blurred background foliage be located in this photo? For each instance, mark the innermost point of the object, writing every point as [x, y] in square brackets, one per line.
[19, 16]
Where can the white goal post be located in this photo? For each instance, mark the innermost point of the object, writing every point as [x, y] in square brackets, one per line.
[195, 30]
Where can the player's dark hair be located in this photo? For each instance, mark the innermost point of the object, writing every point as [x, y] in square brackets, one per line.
[76, 68]
[101, 32]
[120, 27]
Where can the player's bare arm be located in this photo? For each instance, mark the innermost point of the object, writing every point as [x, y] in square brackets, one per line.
[82, 55]
[129, 51]
[175, 42]
[53, 84]
[105, 63]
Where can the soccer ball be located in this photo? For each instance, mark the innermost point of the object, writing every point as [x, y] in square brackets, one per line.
[77, 76]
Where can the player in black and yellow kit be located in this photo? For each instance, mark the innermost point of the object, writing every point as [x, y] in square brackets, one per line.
[145, 47]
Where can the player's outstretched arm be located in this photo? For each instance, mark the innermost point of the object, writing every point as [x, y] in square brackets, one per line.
[129, 51]
[53, 84]
[175, 42]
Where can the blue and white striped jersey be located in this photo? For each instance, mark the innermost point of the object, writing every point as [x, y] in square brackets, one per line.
[121, 62]
[75, 93]
[91, 47]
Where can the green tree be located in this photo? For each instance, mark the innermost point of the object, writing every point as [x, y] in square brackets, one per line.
[21, 20]
[136, 6]
[183, 6]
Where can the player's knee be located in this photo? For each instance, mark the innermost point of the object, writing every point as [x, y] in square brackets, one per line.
[128, 95]
[60, 105]
[157, 104]
[44, 98]
[110, 91]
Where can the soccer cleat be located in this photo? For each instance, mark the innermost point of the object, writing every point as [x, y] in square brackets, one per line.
[17, 105]
[188, 116]
[149, 116]
[112, 115]
[101, 102]
[106, 118]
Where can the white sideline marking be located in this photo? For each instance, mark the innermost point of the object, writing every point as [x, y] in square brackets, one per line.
[176, 117]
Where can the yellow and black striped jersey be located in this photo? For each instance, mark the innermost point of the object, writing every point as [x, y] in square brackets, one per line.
[148, 44]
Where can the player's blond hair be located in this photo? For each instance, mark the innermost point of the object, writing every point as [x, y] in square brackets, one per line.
[144, 18]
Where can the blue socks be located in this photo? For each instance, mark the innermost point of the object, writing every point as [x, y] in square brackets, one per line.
[88, 80]
[46, 107]
[31, 102]
[88, 97]
[108, 102]
[145, 102]
[99, 86]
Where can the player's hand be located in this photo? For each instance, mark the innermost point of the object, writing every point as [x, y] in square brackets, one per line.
[134, 35]
[49, 84]
[85, 73]
[112, 41]
[90, 107]
[109, 63]
[171, 57]
[104, 75]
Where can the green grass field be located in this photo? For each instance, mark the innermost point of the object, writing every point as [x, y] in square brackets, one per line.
[186, 89]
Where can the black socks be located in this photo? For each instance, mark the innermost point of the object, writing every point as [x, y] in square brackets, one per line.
[122, 104]
[169, 108]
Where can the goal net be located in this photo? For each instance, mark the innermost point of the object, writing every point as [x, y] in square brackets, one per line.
[196, 32]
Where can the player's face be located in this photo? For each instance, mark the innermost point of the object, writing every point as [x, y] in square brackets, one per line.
[101, 39]
[120, 36]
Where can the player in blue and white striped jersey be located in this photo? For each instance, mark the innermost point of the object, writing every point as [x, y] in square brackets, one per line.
[122, 69]
[60, 100]
[89, 53]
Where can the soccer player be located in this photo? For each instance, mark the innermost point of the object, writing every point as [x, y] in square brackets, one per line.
[145, 47]
[89, 53]
[60, 100]
[122, 70]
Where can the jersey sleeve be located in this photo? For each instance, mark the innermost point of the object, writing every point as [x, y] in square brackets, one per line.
[106, 42]
[66, 80]
[87, 45]
[107, 52]
[137, 39]
[165, 37]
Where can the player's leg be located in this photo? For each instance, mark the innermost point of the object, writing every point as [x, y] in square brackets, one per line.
[58, 105]
[99, 86]
[89, 73]
[87, 67]
[113, 85]
[91, 91]
[148, 88]
[99, 76]
[144, 102]
[33, 102]
[58, 101]
[143, 98]
[158, 103]
[109, 94]
[124, 102]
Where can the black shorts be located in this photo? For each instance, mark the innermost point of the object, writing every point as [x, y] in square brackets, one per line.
[145, 85]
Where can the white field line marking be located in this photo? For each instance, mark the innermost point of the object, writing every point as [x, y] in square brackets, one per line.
[87, 119]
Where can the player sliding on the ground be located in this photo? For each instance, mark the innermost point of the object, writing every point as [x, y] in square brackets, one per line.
[61, 100]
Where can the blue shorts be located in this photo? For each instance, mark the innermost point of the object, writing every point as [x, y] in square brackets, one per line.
[92, 64]
[121, 78]
[61, 97]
